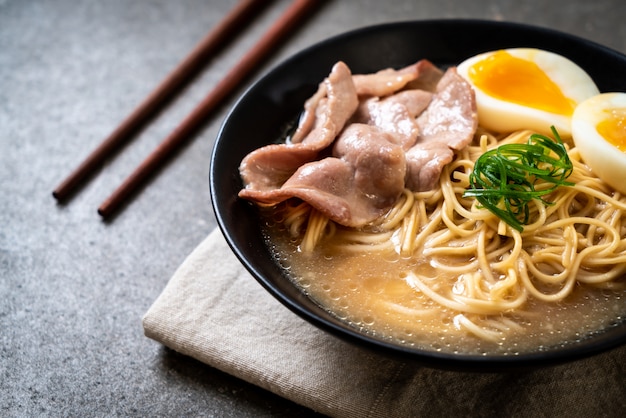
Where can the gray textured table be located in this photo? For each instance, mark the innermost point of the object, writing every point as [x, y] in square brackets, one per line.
[73, 288]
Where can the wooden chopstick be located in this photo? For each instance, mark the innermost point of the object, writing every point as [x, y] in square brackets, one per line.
[209, 45]
[286, 22]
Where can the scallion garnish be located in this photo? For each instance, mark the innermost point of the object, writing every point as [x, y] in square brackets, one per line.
[506, 179]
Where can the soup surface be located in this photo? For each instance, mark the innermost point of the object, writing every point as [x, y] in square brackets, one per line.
[372, 292]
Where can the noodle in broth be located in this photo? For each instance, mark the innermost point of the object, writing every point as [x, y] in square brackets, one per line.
[437, 271]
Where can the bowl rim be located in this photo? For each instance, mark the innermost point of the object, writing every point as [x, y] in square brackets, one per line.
[602, 341]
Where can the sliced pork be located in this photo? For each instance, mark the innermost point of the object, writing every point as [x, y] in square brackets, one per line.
[388, 81]
[269, 167]
[363, 139]
[424, 165]
[395, 114]
[451, 118]
[429, 76]
[363, 178]
[448, 124]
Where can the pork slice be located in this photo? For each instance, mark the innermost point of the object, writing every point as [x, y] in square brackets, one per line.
[324, 184]
[313, 112]
[425, 164]
[382, 83]
[448, 124]
[379, 163]
[359, 183]
[415, 101]
[395, 114]
[388, 81]
[429, 76]
[268, 167]
[331, 106]
[451, 116]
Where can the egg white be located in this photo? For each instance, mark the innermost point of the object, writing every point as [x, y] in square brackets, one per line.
[503, 116]
[604, 159]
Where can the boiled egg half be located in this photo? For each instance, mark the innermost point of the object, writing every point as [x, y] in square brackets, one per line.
[526, 88]
[599, 133]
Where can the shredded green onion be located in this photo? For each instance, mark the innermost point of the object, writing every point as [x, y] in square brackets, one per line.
[506, 179]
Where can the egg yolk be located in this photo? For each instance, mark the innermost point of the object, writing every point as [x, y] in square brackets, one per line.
[613, 128]
[520, 81]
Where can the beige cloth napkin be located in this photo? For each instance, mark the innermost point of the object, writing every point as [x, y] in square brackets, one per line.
[215, 312]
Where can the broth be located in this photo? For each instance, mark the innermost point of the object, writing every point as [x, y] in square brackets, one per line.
[370, 292]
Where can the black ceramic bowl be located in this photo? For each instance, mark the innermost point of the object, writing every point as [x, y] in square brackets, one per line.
[263, 112]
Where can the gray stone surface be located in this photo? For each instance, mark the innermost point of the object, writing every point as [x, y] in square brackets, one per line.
[73, 289]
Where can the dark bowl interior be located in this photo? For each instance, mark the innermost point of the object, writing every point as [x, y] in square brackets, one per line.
[271, 104]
